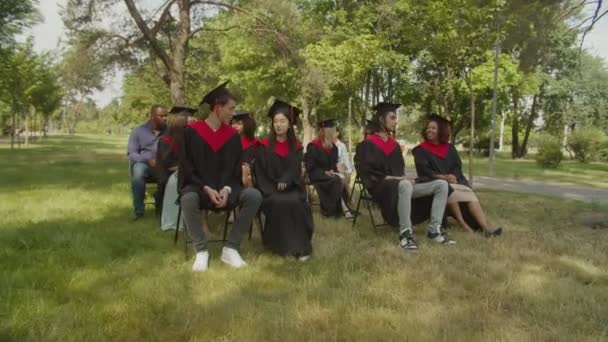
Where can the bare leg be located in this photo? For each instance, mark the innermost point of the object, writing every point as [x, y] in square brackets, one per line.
[455, 210]
[478, 214]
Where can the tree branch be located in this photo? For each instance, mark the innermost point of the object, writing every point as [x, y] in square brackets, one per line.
[148, 34]
[215, 3]
[212, 30]
[163, 17]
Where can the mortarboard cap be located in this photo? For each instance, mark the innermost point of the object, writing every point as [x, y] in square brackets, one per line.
[283, 107]
[385, 107]
[212, 96]
[327, 123]
[182, 110]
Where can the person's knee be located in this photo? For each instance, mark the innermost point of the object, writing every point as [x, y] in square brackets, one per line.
[252, 195]
[441, 186]
[189, 199]
[405, 186]
[139, 171]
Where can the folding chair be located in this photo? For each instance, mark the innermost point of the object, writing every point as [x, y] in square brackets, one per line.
[187, 239]
[364, 196]
[149, 180]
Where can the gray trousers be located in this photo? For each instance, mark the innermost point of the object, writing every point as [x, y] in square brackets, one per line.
[407, 191]
[250, 200]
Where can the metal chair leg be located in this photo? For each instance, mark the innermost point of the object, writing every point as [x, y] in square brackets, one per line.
[357, 209]
[179, 216]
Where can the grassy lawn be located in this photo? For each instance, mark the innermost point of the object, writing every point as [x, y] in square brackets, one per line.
[74, 268]
[569, 172]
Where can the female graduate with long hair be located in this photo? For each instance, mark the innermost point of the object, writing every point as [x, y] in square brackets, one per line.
[288, 226]
[167, 158]
[246, 126]
[321, 161]
[436, 158]
[403, 200]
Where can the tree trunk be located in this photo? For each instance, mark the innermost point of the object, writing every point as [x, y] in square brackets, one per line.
[472, 142]
[13, 129]
[529, 124]
[515, 128]
[307, 112]
[27, 130]
[502, 133]
[180, 51]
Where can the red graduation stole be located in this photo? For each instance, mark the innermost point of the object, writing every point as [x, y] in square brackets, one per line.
[440, 150]
[215, 139]
[386, 146]
[319, 144]
[280, 148]
[170, 142]
[247, 143]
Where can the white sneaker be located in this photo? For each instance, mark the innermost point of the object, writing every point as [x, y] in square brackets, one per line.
[304, 258]
[231, 257]
[201, 263]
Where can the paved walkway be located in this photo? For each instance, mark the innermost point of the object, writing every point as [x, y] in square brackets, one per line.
[580, 193]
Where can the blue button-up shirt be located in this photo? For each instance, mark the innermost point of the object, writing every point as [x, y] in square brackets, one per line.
[142, 143]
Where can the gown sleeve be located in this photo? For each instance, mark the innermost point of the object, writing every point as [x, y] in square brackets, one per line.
[368, 173]
[261, 172]
[458, 167]
[312, 161]
[424, 169]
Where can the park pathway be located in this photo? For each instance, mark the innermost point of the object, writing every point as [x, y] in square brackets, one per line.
[580, 193]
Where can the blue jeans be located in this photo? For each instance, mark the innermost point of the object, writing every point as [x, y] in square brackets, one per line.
[140, 171]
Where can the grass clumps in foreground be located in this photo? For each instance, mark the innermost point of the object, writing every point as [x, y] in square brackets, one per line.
[75, 268]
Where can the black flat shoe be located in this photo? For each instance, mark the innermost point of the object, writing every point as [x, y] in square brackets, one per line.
[137, 217]
[495, 233]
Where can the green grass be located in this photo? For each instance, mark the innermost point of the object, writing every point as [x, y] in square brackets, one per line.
[569, 172]
[74, 268]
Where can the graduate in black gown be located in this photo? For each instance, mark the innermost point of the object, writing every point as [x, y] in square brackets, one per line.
[321, 160]
[210, 178]
[436, 158]
[167, 157]
[245, 125]
[288, 226]
[403, 201]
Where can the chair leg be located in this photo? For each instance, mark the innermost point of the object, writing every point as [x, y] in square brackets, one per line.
[185, 241]
[371, 215]
[357, 209]
[226, 223]
[179, 217]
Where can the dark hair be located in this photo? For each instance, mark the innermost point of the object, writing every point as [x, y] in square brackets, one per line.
[444, 131]
[291, 135]
[176, 132]
[380, 126]
[156, 107]
[223, 100]
[249, 127]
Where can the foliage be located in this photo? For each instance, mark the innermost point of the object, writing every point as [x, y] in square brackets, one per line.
[586, 144]
[549, 153]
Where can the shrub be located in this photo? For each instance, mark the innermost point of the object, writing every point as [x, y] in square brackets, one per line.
[586, 143]
[549, 152]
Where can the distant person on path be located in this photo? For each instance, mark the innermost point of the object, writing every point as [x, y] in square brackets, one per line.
[403, 200]
[210, 177]
[141, 151]
[167, 159]
[436, 158]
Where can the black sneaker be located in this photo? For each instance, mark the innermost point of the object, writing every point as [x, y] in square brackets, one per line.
[440, 237]
[407, 242]
[137, 217]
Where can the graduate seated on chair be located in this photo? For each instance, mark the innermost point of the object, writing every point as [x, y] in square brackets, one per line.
[288, 227]
[245, 125]
[210, 177]
[141, 151]
[402, 199]
[167, 157]
[321, 161]
[436, 158]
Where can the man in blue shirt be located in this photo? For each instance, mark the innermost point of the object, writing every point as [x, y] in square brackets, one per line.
[141, 152]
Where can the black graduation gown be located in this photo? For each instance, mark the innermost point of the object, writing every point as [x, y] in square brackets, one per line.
[428, 165]
[288, 227]
[373, 164]
[330, 189]
[210, 159]
[249, 150]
